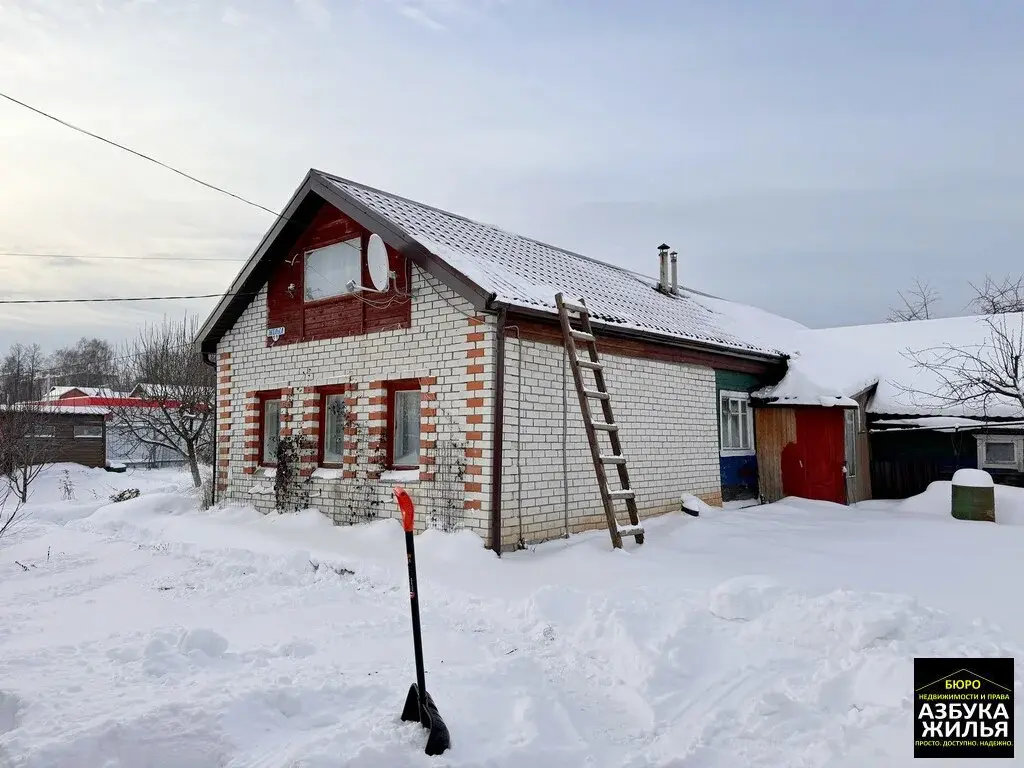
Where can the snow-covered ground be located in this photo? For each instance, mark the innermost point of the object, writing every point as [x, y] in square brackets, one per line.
[148, 634]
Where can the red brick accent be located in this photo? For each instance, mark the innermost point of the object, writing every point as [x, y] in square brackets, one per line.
[475, 418]
[474, 386]
[474, 453]
[378, 416]
[428, 460]
[474, 470]
[224, 427]
[249, 470]
[349, 474]
[286, 431]
[224, 378]
[475, 402]
[349, 459]
[224, 451]
[225, 391]
[382, 400]
[428, 428]
[472, 487]
[375, 431]
[428, 413]
[251, 432]
[428, 444]
[474, 369]
[225, 367]
[471, 504]
[475, 336]
[251, 394]
[476, 321]
[428, 396]
[426, 477]
[251, 444]
[377, 384]
[225, 355]
[472, 437]
[474, 353]
[426, 381]
[314, 417]
[311, 430]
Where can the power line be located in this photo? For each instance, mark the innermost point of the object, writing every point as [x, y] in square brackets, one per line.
[19, 254]
[123, 298]
[112, 143]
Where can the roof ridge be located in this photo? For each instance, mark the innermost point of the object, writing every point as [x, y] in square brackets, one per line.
[632, 273]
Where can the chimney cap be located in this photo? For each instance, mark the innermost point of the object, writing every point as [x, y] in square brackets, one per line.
[674, 253]
[663, 247]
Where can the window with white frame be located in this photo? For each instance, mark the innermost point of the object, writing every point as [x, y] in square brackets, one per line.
[404, 420]
[91, 431]
[330, 270]
[736, 423]
[42, 430]
[999, 452]
[851, 418]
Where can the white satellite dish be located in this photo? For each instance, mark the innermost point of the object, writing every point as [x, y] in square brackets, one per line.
[377, 263]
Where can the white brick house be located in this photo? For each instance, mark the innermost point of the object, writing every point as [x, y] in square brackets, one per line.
[453, 382]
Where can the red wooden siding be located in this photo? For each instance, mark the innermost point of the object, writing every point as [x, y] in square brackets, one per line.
[335, 317]
[812, 467]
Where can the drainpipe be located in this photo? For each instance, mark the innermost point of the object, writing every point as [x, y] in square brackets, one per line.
[498, 432]
[216, 386]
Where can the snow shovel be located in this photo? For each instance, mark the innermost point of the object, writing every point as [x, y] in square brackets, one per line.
[419, 707]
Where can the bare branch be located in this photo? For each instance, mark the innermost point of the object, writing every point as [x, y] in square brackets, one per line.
[918, 303]
[173, 395]
[992, 298]
[980, 377]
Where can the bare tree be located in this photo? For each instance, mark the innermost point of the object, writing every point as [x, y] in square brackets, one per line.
[25, 446]
[918, 303]
[997, 298]
[177, 392]
[20, 373]
[981, 375]
[11, 510]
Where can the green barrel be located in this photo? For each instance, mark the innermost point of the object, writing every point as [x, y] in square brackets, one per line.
[973, 497]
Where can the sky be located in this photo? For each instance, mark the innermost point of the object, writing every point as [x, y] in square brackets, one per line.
[808, 158]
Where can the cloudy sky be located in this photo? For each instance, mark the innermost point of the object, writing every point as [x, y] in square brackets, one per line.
[810, 158]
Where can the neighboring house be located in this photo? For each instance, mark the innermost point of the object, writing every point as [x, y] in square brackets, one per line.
[454, 382]
[121, 447]
[75, 434]
[870, 398]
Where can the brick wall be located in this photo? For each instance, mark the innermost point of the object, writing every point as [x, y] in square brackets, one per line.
[669, 433]
[447, 348]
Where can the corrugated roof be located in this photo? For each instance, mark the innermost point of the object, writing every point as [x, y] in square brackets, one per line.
[525, 273]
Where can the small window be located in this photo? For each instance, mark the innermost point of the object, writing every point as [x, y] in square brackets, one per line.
[270, 427]
[89, 430]
[333, 420]
[330, 270]
[404, 424]
[999, 453]
[736, 423]
[850, 433]
[42, 430]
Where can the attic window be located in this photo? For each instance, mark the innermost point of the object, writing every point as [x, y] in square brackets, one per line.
[330, 270]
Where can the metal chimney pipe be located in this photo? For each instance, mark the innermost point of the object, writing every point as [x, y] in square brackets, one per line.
[675, 273]
[663, 268]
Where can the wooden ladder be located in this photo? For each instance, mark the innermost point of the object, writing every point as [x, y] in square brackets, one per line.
[585, 334]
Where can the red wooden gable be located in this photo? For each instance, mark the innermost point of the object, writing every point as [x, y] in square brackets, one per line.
[350, 315]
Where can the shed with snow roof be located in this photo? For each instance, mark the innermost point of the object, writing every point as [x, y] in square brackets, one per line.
[453, 380]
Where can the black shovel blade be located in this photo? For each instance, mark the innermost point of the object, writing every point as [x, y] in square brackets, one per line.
[439, 739]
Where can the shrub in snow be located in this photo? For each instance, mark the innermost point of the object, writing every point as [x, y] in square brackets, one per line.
[125, 495]
[291, 489]
[67, 486]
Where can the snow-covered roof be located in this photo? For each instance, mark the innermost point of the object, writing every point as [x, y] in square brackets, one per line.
[56, 393]
[834, 364]
[525, 273]
[58, 408]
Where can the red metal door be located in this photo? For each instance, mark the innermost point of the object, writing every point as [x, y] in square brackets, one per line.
[812, 467]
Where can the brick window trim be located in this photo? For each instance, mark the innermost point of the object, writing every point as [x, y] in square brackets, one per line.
[392, 387]
[261, 403]
[324, 392]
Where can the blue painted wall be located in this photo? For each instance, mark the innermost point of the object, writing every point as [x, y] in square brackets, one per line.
[739, 473]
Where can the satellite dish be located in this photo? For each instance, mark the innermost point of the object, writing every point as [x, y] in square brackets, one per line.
[377, 262]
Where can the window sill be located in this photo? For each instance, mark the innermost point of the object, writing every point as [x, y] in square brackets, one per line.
[267, 472]
[328, 473]
[400, 476]
[731, 452]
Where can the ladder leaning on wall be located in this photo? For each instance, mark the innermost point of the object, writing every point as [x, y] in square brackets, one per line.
[599, 392]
